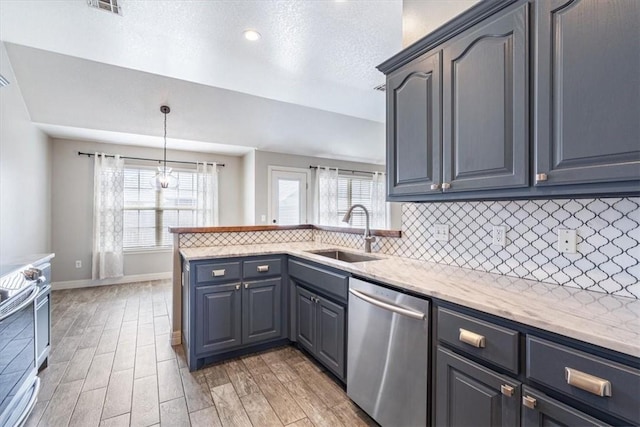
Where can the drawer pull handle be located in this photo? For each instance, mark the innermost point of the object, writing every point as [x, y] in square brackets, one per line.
[218, 273]
[471, 338]
[263, 268]
[587, 382]
[529, 402]
[507, 390]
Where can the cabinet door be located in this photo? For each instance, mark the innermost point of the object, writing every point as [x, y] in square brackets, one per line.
[542, 411]
[261, 313]
[587, 108]
[414, 139]
[486, 134]
[468, 394]
[218, 317]
[306, 319]
[330, 329]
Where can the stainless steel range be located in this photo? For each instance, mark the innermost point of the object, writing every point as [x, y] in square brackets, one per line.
[19, 384]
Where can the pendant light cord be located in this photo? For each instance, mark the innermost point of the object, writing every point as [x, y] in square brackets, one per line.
[165, 145]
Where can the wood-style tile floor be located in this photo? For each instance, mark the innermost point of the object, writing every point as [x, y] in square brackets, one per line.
[112, 365]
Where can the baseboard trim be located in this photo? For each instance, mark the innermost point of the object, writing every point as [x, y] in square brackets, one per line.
[176, 338]
[87, 283]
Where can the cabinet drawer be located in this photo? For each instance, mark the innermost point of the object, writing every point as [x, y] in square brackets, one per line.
[261, 268]
[323, 280]
[217, 272]
[490, 342]
[585, 377]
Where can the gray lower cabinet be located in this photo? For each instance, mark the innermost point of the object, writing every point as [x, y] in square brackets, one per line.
[320, 326]
[223, 312]
[485, 114]
[468, 394]
[414, 136]
[587, 103]
[261, 310]
[218, 316]
[539, 410]
[306, 319]
[330, 335]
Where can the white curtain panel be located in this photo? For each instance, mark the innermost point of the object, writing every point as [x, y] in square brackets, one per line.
[326, 196]
[207, 195]
[378, 201]
[108, 218]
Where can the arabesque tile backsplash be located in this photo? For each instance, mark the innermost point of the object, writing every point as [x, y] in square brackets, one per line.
[608, 258]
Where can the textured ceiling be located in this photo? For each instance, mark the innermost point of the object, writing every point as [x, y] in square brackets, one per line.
[320, 54]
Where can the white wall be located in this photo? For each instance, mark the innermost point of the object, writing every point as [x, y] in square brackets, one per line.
[25, 174]
[249, 187]
[264, 159]
[72, 205]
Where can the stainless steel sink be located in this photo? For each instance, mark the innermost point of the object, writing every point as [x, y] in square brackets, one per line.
[344, 256]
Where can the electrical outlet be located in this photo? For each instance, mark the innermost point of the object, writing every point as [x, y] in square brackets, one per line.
[263, 218]
[78, 264]
[499, 235]
[567, 241]
[441, 232]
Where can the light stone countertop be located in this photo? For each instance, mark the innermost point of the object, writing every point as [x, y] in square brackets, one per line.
[11, 264]
[605, 320]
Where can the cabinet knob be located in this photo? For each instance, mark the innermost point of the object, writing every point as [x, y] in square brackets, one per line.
[529, 402]
[507, 390]
[246, 286]
[446, 186]
[541, 177]
[435, 186]
[238, 286]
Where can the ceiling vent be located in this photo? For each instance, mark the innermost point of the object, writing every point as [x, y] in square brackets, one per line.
[381, 88]
[107, 5]
[3, 82]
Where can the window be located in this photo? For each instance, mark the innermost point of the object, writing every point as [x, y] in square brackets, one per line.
[354, 190]
[148, 213]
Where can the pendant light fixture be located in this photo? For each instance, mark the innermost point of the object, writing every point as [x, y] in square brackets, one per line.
[164, 178]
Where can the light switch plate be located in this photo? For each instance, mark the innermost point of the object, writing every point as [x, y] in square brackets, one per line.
[441, 232]
[567, 241]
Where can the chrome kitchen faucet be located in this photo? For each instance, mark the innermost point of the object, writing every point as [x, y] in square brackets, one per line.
[368, 238]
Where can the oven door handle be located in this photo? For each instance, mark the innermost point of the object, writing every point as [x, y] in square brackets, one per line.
[391, 307]
[32, 403]
[29, 300]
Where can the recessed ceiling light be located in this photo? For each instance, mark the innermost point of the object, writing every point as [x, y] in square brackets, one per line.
[252, 35]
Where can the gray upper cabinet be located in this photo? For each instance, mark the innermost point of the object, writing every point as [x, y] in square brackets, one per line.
[261, 313]
[587, 91]
[414, 140]
[486, 134]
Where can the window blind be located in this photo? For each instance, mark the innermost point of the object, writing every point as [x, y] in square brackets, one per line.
[148, 212]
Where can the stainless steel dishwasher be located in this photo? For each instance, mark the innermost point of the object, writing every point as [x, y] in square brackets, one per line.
[388, 354]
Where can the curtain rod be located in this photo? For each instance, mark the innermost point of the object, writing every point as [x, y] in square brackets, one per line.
[80, 153]
[349, 170]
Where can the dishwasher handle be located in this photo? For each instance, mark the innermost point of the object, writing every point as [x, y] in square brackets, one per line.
[391, 307]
